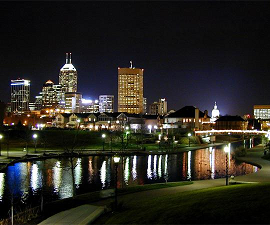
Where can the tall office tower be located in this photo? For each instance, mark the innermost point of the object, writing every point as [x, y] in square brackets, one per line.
[68, 76]
[20, 95]
[106, 103]
[130, 90]
[51, 94]
[162, 108]
[73, 101]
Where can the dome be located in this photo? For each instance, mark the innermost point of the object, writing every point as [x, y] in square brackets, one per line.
[49, 82]
[215, 112]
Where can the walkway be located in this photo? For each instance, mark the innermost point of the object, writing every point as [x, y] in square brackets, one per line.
[254, 156]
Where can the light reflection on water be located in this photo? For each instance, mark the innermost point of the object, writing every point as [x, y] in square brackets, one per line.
[103, 174]
[97, 172]
[2, 185]
[134, 168]
[78, 172]
[126, 171]
[149, 170]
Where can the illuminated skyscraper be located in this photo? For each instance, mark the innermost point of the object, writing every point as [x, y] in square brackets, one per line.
[20, 95]
[68, 76]
[51, 94]
[106, 103]
[130, 90]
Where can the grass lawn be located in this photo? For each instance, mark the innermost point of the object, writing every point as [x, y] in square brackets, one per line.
[241, 204]
[88, 198]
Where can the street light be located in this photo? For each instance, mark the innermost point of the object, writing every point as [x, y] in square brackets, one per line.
[189, 135]
[116, 160]
[103, 137]
[1, 137]
[227, 150]
[35, 140]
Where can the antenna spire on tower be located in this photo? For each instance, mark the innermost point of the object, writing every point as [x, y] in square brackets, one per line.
[130, 64]
[70, 57]
[66, 58]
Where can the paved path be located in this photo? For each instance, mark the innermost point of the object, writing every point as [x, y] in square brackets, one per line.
[80, 215]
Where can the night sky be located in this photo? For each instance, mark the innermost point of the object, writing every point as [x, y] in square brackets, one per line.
[193, 53]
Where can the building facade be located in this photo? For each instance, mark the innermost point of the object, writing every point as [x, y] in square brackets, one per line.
[73, 102]
[159, 108]
[20, 95]
[106, 103]
[51, 94]
[130, 90]
[261, 111]
[89, 106]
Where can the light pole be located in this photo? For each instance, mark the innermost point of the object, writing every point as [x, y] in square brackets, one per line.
[35, 140]
[189, 135]
[227, 150]
[1, 137]
[103, 138]
[116, 160]
[78, 121]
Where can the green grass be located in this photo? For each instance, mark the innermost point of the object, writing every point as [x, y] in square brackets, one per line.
[241, 204]
[148, 187]
[87, 198]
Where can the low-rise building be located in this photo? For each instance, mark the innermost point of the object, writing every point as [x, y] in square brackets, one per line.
[189, 117]
[231, 123]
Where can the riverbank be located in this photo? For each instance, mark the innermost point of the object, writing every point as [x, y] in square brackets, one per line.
[12, 157]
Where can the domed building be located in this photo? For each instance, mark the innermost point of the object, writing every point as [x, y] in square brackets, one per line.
[215, 113]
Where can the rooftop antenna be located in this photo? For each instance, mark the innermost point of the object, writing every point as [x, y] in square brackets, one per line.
[70, 57]
[66, 58]
[130, 64]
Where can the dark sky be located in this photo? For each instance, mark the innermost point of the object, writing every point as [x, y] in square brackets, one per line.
[193, 53]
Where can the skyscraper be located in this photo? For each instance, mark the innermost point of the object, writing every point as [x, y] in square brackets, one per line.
[106, 103]
[68, 76]
[51, 94]
[20, 95]
[130, 90]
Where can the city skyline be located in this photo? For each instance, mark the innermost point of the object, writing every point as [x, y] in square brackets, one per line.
[192, 53]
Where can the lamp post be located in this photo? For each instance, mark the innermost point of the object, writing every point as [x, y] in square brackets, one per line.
[227, 150]
[116, 160]
[103, 138]
[1, 137]
[78, 121]
[35, 140]
[189, 135]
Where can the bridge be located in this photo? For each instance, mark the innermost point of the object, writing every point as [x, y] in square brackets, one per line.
[228, 132]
